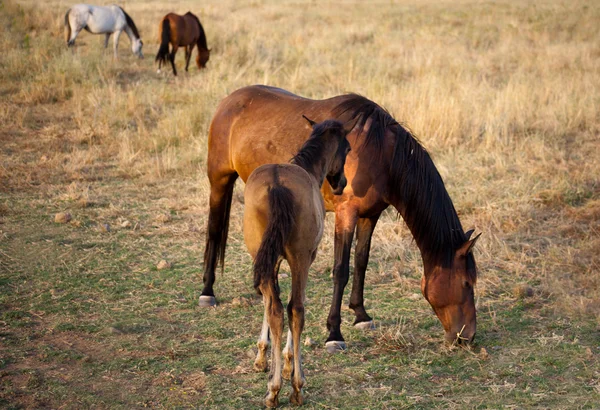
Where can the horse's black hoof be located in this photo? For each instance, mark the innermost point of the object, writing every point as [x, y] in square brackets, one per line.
[207, 301]
[365, 325]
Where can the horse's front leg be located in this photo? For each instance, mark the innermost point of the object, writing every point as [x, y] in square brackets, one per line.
[364, 232]
[188, 56]
[116, 43]
[345, 223]
[172, 58]
[106, 38]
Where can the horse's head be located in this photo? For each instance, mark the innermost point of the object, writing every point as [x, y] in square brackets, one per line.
[449, 291]
[136, 47]
[334, 132]
[202, 58]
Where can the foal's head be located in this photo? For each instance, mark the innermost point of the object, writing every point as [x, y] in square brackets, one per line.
[449, 290]
[333, 132]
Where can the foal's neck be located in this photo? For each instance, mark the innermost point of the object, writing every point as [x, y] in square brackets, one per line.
[315, 157]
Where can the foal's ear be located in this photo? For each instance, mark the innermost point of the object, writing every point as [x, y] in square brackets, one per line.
[311, 122]
[467, 247]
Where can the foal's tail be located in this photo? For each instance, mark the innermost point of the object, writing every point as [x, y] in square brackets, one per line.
[281, 222]
[165, 37]
[68, 26]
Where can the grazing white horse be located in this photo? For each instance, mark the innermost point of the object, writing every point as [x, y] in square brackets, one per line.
[102, 20]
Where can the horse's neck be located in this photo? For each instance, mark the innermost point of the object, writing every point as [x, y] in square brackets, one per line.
[420, 196]
[129, 33]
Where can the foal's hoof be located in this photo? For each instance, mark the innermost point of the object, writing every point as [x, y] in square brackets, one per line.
[158, 71]
[333, 346]
[207, 301]
[365, 325]
[271, 401]
[296, 398]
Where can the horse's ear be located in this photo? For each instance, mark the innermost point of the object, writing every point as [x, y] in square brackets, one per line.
[469, 233]
[311, 122]
[467, 247]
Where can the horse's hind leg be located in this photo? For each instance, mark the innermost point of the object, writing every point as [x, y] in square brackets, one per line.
[172, 59]
[106, 38]
[364, 232]
[221, 194]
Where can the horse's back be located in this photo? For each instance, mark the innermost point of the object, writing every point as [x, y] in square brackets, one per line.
[258, 125]
[99, 19]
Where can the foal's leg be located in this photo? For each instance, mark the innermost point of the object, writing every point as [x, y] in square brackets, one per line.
[116, 43]
[106, 38]
[288, 355]
[295, 311]
[274, 313]
[345, 222]
[172, 58]
[260, 364]
[364, 232]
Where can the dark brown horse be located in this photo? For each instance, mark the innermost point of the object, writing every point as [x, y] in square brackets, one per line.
[181, 31]
[283, 219]
[387, 166]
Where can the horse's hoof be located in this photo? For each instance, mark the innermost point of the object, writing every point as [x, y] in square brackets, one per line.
[333, 346]
[286, 373]
[158, 71]
[207, 301]
[296, 398]
[261, 366]
[365, 325]
[270, 401]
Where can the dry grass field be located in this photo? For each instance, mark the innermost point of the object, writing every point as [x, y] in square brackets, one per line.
[504, 94]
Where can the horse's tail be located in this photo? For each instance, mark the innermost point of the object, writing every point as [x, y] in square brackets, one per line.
[279, 228]
[67, 25]
[165, 37]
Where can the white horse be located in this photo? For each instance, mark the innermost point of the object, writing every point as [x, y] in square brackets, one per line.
[102, 20]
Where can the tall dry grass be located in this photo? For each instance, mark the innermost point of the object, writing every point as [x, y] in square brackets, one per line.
[505, 96]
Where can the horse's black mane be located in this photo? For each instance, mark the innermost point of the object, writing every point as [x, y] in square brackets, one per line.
[202, 39]
[310, 152]
[131, 24]
[416, 188]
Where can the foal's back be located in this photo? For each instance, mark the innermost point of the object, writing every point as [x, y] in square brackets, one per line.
[308, 205]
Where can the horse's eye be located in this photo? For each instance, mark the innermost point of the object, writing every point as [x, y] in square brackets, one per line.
[466, 284]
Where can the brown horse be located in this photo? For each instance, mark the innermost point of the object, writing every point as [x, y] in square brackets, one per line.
[181, 31]
[283, 219]
[387, 166]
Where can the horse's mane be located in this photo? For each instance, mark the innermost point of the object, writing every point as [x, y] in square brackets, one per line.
[130, 23]
[416, 188]
[312, 149]
[202, 39]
